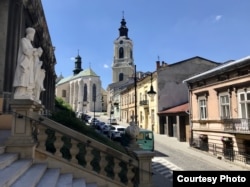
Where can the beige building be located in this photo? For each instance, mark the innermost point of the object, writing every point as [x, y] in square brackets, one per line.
[220, 110]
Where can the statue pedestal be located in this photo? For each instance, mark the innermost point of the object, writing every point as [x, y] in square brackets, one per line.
[21, 139]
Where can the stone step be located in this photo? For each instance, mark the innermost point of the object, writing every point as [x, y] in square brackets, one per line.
[2, 149]
[31, 177]
[7, 158]
[65, 180]
[11, 173]
[91, 185]
[79, 183]
[50, 178]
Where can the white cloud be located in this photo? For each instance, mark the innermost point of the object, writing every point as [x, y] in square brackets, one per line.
[105, 66]
[72, 58]
[218, 17]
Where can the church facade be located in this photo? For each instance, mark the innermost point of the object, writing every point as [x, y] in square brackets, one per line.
[82, 90]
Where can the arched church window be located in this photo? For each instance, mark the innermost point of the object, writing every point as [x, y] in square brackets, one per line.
[85, 91]
[131, 53]
[121, 77]
[121, 52]
[94, 92]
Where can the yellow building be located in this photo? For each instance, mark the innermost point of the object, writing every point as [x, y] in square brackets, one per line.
[147, 105]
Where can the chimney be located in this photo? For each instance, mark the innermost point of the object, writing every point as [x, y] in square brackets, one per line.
[158, 64]
[164, 64]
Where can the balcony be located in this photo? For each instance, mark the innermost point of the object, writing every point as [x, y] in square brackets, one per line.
[237, 125]
[144, 103]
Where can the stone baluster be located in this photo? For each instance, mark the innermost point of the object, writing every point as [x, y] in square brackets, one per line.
[42, 137]
[103, 163]
[73, 151]
[58, 144]
[117, 169]
[88, 158]
[130, 174]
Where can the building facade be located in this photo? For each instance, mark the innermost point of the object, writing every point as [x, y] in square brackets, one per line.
[147, 105]
[173, 93]
[219, 110]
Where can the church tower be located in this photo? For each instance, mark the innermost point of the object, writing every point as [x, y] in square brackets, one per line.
[78, 65]
[123, 64]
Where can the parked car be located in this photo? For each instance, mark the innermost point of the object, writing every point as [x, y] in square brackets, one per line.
[116, 131]
[99, 125]
[93, 122]
[112, 121]
[105, 128]
[86, 118]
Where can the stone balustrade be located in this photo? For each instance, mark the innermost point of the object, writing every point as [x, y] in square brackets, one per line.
[55, 143]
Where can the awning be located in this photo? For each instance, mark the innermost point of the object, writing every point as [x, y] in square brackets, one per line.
[176, 109]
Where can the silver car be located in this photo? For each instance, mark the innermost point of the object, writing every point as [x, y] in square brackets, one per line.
[116, 131]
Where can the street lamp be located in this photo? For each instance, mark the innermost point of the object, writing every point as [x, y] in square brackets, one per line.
[135, 85]
[151, 92]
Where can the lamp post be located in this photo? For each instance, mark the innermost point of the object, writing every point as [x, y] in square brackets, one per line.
[135, 85]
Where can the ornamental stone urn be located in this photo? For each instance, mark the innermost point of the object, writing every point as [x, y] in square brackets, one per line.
[133, 130]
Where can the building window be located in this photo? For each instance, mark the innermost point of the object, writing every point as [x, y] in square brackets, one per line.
[203, 108]
[85, 92]
[121, 52]
[225, 106]
[121, 77]
[63, 93]
[244, 101]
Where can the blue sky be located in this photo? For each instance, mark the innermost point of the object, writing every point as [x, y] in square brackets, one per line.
[173, 30]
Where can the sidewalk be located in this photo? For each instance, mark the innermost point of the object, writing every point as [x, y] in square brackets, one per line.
[184, 147]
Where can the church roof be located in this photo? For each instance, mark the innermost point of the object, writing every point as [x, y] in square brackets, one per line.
[85, 73]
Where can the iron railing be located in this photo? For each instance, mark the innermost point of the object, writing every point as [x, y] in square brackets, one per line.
[228, 153]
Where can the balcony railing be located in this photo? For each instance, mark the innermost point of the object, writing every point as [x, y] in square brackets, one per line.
[143, 102]
[237, 125]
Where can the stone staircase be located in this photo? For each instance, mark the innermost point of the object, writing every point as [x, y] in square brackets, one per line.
[15, 172]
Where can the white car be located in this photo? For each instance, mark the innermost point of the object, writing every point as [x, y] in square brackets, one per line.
[112, 121]
[116, 131]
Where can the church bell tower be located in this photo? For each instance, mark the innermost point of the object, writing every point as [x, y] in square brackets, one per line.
[123, 63]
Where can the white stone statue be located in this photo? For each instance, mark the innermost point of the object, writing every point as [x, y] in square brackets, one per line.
[29, 77]
[39, 74]
[24, 74]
